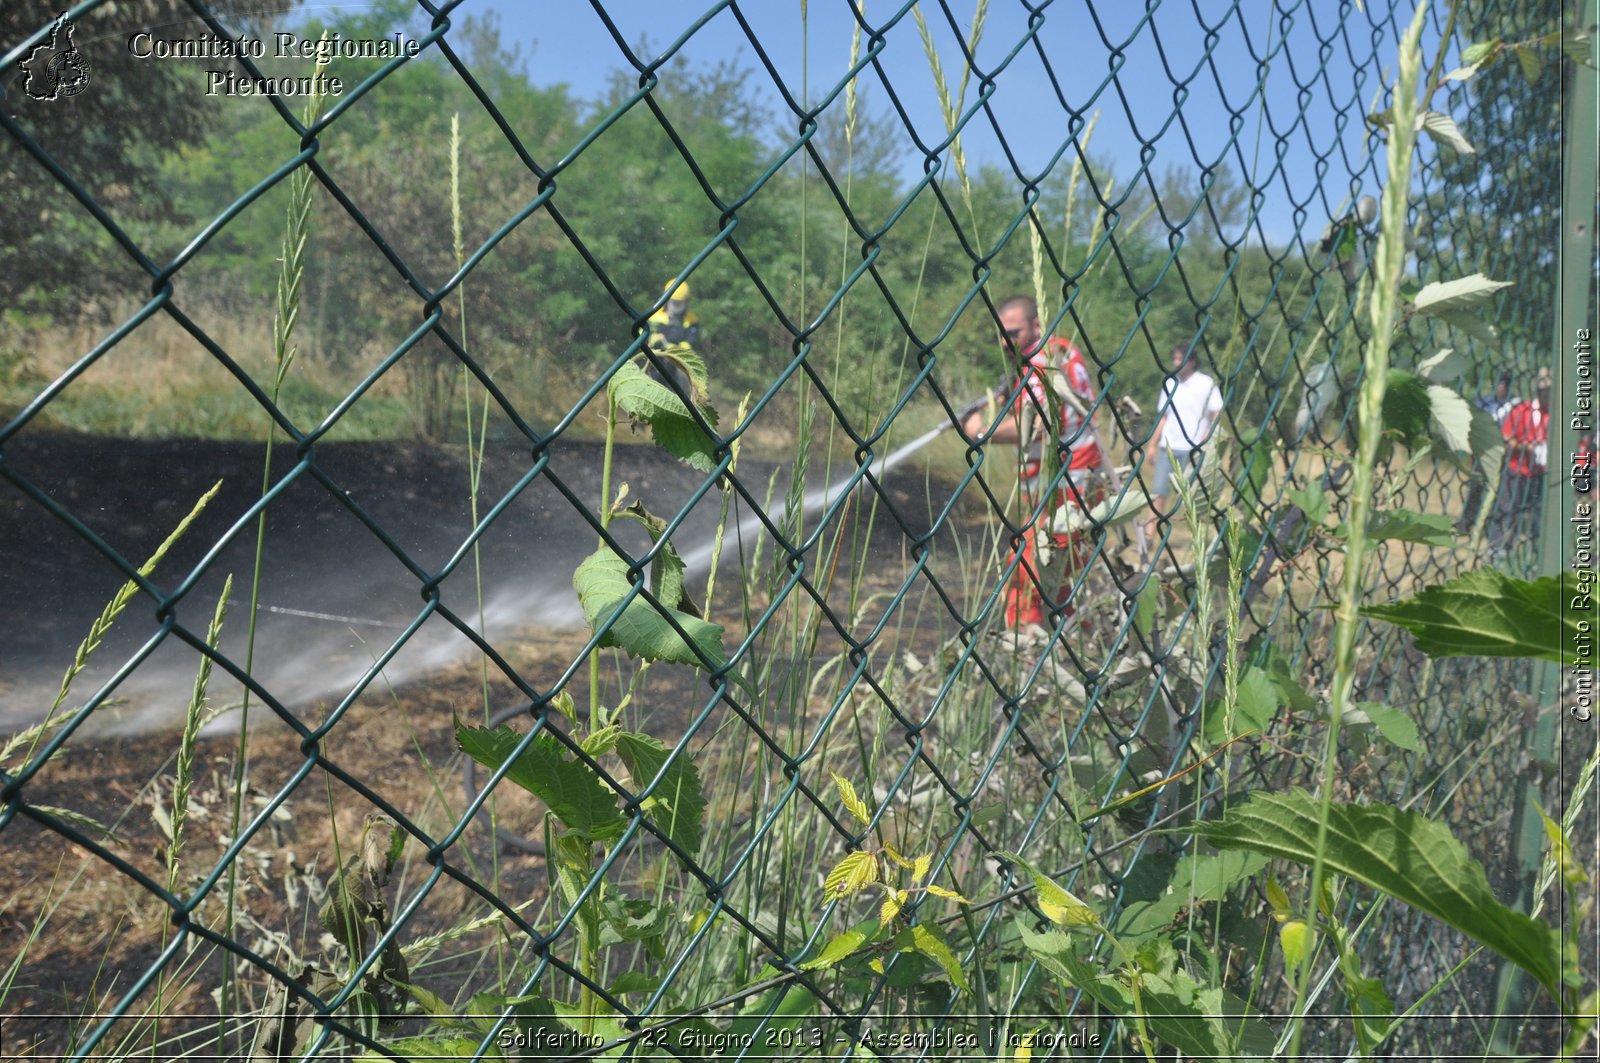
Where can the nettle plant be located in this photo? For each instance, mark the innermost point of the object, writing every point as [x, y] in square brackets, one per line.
[582, 775]
[1138, 966]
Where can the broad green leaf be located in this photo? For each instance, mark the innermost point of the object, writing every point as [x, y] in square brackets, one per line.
[1277, 897]
[1202, 1022]
[1370, 1004]
[1477, 53]
[427, 1048]
[572, 789]
[929, 942]
[635, 982]
[852, 803]
[632, 919]
[1404, 854]
[1490, 614]
[1283, 675]
[1196, 879]
[1471, 323]
[1295, 937]
[1255, 467]
[1443, 366]
[1313, 502]
[670, 423]
[1578, 47]
[1407, 411]
[1443, 129]
[1488, 445]
[1461, 73]
[1430, 529]
[1531, 62]
[852, 874]
[1450, 417]
[667, 570]
[1258, 704]
[677, 805]
[639, 628]
[1464, 293]
[893, 901]
[684, 357]
[1393, 724]
[1059, 906]
[842, 945]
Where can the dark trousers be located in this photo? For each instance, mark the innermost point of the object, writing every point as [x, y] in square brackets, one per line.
[1518, 511]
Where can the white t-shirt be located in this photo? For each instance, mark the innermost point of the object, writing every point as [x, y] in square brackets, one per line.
[1192, 406]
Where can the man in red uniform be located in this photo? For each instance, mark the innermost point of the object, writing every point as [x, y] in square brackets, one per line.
[1038, 365]
[1526, 429]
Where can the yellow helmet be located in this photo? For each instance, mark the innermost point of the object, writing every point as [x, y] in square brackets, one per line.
[681, 292]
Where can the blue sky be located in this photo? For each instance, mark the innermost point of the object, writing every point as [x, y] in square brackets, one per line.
[1308, 81]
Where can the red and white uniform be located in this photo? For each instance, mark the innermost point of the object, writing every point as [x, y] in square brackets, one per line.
[1057, 355]
[1527, 429]
[1024, 604]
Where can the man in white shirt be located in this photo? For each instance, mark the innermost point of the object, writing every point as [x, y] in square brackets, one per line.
[1189, 406]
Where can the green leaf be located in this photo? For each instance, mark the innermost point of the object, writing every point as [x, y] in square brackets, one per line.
[854, 873]
[1311, 500]
[852, 803]
[1488, 445]
[428, 1048]
[573, 790]
[1531, 62]
[1471, 323]
[632, 919]
[1258, 704]
[929, 942]
[1295, 937]
[1059, 906]
[1196, 879]
[1477, 53]
[1403, 525]
[1407, 410]
[677, 805]
[1490, 614]
[1464, 293]
[1404, 854]
[653, 403]
[1393, 724]
[1450, 417]
[1204, 1023]
[1283, 675]
[639, 628]
[1444, 131]
[843, 945]
[667, 570]
[636, 982]
[1443, 366]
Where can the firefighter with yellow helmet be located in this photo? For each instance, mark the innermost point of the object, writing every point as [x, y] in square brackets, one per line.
[675, 322]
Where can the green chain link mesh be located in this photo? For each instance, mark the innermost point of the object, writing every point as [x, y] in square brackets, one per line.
[864, 604]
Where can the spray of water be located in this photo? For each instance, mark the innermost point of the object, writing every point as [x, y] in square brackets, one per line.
[336, 621]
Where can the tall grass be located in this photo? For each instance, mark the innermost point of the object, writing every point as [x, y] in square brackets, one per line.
[291, 274]
[1388, 266]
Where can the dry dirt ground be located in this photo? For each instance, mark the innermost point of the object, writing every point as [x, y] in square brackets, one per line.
[335, 596]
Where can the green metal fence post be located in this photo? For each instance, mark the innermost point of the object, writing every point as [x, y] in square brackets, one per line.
[1574, 293]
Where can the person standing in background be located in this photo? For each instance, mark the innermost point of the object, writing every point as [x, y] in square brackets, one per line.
[1526, 430]
[1190, 403]
[1041, 364]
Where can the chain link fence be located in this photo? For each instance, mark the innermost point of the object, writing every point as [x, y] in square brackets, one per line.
[839, 576]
